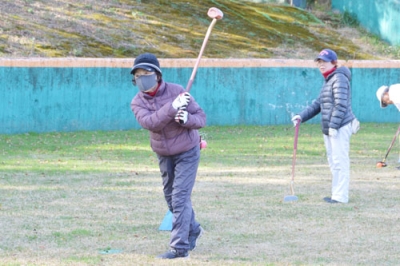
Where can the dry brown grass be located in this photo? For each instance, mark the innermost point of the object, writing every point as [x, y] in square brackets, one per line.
[241, 209]
[56, 215]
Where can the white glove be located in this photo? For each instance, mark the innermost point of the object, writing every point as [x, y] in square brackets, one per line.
[332, 132]
[181, 116]
[181, 101]
[296, 119]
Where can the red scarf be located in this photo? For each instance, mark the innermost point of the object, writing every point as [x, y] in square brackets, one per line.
[330, 71]
[153, 92]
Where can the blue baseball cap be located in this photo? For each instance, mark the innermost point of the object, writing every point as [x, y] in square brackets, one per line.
[327, 55]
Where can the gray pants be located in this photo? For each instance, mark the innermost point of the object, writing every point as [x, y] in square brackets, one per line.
[178, 174]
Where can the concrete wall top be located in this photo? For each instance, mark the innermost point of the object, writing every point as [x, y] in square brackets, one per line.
[183, 63]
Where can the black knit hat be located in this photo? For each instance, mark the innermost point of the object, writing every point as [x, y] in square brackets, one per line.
[148, 62]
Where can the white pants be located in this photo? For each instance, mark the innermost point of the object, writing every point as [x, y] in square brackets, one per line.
[337, 150]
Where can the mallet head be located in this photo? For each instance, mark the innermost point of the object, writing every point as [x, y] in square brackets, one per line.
[381, 164]
[215, 13]
[290, 198]
[203, 144]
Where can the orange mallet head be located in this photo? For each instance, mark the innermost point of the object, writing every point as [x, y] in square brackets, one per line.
[380, 164]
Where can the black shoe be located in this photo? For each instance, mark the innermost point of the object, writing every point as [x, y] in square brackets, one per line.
[330, 200]
[193, 238]
[174, 254]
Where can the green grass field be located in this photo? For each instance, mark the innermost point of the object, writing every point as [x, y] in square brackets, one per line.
[73, 198]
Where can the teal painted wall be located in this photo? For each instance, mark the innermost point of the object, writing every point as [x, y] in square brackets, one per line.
[378, 16]
[44, 99]
[257, 96]
[64, 99]
[364, 85]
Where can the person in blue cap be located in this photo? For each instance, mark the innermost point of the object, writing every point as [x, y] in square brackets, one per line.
[334, 104]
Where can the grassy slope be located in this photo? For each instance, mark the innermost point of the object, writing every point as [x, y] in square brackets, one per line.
[173, 29]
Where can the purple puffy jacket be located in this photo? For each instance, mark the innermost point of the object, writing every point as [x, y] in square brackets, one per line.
[156, 114]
